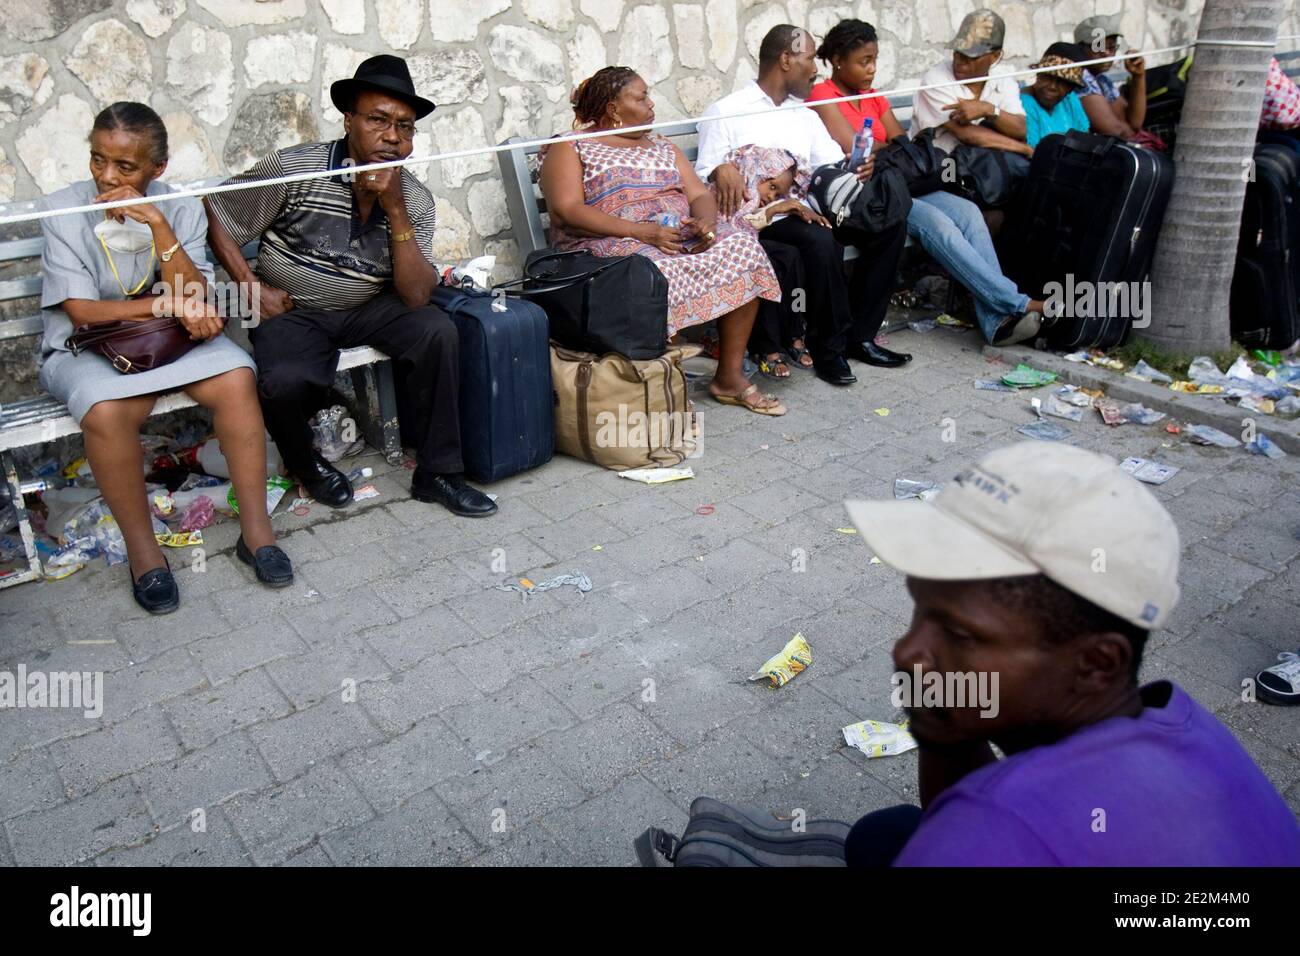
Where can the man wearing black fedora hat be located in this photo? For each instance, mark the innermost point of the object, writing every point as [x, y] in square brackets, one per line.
[345, 261]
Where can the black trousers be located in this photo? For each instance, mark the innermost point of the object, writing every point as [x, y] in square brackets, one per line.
[777, 323]
[840, 311]
[879, 837]
[298, 352]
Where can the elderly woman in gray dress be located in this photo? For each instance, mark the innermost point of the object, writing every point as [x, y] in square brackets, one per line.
[112, 265]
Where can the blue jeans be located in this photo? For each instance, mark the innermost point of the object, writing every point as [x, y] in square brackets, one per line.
[952, 230]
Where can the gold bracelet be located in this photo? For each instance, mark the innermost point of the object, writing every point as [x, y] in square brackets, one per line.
[403, 236]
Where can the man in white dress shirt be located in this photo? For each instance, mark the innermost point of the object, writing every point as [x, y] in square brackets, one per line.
[843, 315]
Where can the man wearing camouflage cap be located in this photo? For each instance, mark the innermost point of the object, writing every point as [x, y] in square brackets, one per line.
[983, 112]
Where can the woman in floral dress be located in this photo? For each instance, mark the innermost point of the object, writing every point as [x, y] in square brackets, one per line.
[609, 195]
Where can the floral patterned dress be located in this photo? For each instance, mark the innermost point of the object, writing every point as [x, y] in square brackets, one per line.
[638, 183]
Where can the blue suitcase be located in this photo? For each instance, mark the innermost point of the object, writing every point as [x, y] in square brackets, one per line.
[507, 406]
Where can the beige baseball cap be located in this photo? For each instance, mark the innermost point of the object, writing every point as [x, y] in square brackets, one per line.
[1038, 508]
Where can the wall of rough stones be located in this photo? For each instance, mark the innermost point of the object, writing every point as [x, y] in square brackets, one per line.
[236, 78]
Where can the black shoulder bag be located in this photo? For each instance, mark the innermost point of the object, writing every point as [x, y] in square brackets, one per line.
[598, 304]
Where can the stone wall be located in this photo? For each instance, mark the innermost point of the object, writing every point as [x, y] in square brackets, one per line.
[236, 78]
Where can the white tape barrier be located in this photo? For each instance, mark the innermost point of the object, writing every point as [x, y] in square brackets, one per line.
[491, 150]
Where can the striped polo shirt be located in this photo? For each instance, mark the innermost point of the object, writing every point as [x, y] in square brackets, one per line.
[313, 243]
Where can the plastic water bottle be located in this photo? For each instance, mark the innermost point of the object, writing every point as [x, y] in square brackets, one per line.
[212, 461]
[669, 220]
[861, 145]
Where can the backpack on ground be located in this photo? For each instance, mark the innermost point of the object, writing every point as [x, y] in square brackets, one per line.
[722, 835]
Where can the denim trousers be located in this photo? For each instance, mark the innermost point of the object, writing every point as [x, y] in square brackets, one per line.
[952, 230]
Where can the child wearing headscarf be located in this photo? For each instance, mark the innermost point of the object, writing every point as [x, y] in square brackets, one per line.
[775, 183]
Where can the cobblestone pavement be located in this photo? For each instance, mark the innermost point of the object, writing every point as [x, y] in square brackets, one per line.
[491, 730]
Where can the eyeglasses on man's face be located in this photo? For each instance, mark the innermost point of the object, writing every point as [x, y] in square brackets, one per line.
[379, 123]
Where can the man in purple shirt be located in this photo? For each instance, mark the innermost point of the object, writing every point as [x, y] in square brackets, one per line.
[1037, 575]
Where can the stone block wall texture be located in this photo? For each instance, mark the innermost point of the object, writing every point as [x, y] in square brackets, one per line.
[236, 78]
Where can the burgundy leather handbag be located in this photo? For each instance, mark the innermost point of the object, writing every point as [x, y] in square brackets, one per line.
[134, 346]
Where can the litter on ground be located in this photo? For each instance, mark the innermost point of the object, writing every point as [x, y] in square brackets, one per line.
[781, 668]
[878, 738]
[657, 476]
[1152, 472]
[527, 588]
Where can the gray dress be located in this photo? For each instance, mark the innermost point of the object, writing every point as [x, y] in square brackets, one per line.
[74, 266]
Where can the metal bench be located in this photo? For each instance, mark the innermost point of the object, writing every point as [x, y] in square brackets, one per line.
[1290, 63]
[527, 205]
[42, 419]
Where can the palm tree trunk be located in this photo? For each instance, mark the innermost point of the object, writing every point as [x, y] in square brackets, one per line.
[1192, 273]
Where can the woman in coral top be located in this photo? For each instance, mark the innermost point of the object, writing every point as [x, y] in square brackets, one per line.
[950, 228]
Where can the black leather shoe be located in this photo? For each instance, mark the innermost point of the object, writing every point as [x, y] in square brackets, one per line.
[453, 493]
[834, 370]
[270, 564]
[877, 355]
[156, 591]
[325, 483]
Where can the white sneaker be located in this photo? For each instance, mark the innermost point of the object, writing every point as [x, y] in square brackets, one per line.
[1024, 329]
[1280, 684]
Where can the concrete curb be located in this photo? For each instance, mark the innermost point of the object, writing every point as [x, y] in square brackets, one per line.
[1193, 409]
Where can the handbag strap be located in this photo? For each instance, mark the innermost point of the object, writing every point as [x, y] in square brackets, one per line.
[557, 285]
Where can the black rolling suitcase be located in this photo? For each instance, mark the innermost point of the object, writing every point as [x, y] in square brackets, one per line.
[1091, 209]
[1264, 309]
[507, 406]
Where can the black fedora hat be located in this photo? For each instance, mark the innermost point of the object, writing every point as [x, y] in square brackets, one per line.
[385, 73]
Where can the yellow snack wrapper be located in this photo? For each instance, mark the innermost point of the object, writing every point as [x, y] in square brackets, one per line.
[180, 539]
[781, 669]
[878, 738]
[1196, 389]
[76, 469]
[59, 572]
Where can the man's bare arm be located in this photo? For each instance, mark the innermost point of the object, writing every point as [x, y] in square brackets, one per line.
[973, 135]
[227, 251]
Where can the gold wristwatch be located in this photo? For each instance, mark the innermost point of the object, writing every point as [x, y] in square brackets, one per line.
[403, 236]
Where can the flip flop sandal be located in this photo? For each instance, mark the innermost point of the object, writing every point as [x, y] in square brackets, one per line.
[1280, 684]
[774, 410]
[769, 367]
[796, 358]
